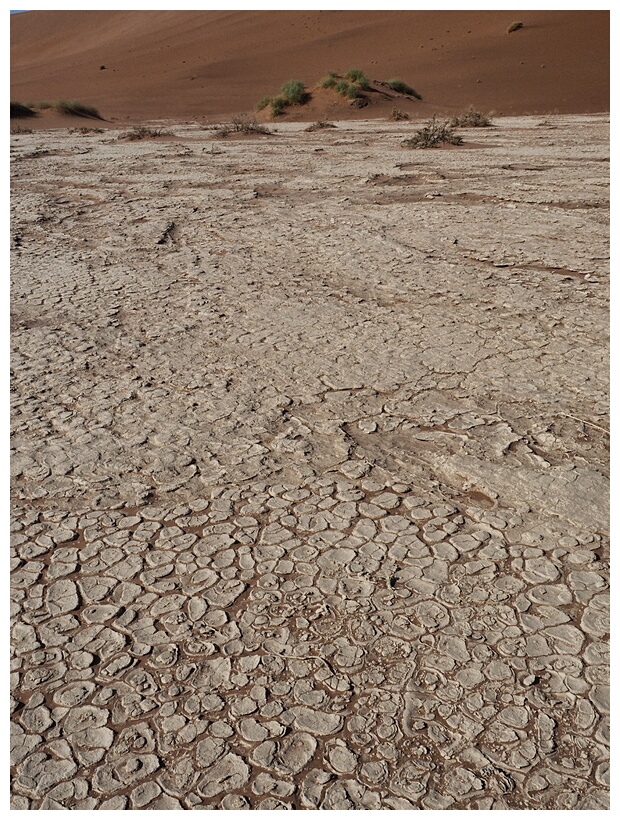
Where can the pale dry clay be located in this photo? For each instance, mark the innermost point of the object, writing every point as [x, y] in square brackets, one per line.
[310, 470]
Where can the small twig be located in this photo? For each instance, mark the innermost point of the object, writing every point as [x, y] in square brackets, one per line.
[591, 423]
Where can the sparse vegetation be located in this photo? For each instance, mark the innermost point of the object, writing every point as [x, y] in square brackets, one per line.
[433, 135]
[470, 119]
[77, 109]
[329, 81]
[402, 88]
[278, 104]
[86, 131]
[19, 129]
[19, 111]
[346, 89]
[317, 126]
[398, 115]
[242, 124]
[72, 107]
[294, 92]
[514, 27]
[356, 75]
[141, 132]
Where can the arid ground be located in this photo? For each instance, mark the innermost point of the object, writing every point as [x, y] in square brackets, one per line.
[310, 472]
[310, 430]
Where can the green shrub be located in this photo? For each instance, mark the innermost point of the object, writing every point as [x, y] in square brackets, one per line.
[329, 81]
[514, 27]
[470, 118]
[278, 104]
[353, 92]
[21, 111]
[402, 88]
[263, 103]
[342, 87]
[294, 93]
[77, 109]
[432, 135]
[356, 75]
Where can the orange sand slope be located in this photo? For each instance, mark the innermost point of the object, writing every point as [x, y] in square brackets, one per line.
[203, 64]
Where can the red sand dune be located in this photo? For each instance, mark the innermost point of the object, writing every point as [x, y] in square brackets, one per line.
[200, 65]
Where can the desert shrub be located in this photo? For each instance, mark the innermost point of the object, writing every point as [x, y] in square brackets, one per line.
[19, 129]
[141, 132]
[356, 75]
[470, 118]
[278, 104]
[85, 131]
[242, 124]
[514, 27]
[329, 81]
[397, 115]
[402, 88]
[432, 135]
[348, 90]
[353, 93]
[294, 93]
[317, 126]
[40, 106]
[19, 111]
[342, 87]
[247, 124]
[77, 109]
[263, 103]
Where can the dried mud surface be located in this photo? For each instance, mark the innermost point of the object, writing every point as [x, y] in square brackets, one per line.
[310, 451]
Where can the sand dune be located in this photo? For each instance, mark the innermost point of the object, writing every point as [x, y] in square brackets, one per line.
[203, 64]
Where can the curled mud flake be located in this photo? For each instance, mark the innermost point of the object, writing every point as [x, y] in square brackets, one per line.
[209, 750]
[595, 618]
[316, 722]
[295, 752]
[586, 580]
[228, 774]
[599, 695]
[62, 597]
[39, 774]
[99, 613]
[431, 615]
[22, 744]
[57, 631]
[74, 694]
[264, 783]
[565, 639]
[90, 745]
[341, 759]
[349, 795]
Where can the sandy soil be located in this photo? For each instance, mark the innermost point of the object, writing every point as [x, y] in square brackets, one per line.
[310, 473]
[137, 65]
